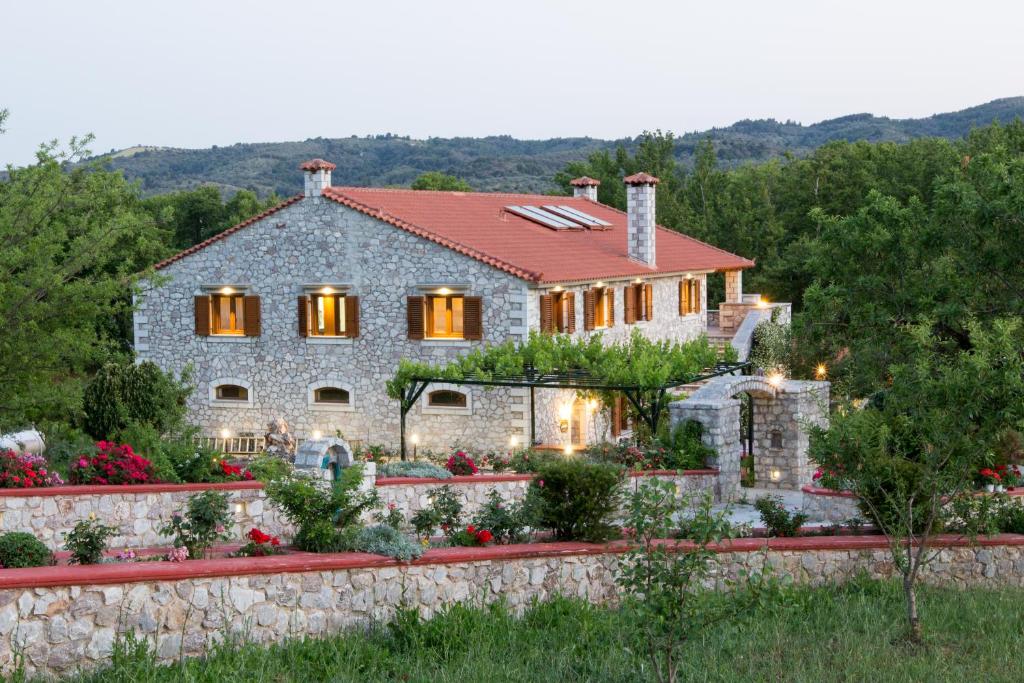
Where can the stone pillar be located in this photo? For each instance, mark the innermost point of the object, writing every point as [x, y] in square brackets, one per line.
[585, 187]
[734, 286]
[720, 419]
[781, 433]
[640, 210]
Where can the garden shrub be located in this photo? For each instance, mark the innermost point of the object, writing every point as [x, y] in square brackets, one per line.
[382, 540]
[267, 468]
[577, 500]
[461, 465]
[529, 460]
[25, 470]
[21, 549]
[122, 393]
[87, 541]
[443, 512]
[506, 521]
[65, 444]
[684, 447]
[160, 451]
[207, 520]
[407, 468]
[321, 509]
[112, 464]
[259, 544]
[777, 519]
[771, 345]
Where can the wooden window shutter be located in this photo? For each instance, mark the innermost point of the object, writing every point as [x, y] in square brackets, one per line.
[414, 316]
[547, 318]
[588, 309]
[303, 316]
[609, 302]
[648, 302]
[472, 317]
[202, 314]
[351, 316]
[251, 311]
[696, 296]
[684, 291]
[570, 307]
[629, 300]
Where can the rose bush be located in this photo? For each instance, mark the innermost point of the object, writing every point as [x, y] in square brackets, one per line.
[112, 464]
[461, 464]
[25, 470]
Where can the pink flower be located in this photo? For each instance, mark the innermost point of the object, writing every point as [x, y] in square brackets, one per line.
[179, 554]
[219, 528]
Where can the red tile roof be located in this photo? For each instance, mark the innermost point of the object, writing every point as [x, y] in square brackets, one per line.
[477, 225]
[640, 179]
[584, 181]
[317, 165]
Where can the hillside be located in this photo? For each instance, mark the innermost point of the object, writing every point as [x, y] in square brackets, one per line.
[502, 162]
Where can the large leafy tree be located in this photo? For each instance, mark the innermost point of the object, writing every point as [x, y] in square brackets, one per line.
[435, 180]
[191, 216]
[74, 238]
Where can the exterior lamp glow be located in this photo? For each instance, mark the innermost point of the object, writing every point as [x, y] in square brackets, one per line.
[761, 303]
[225, 433]
[227, 290]
[317, 435]
[239, 508]
[592, 404]
[776, 379]
[327, 290]
[415, 439]
[568, 449]
[564, 413]
[444, 291]
[513, 441]
[821, 372]
[776, 475]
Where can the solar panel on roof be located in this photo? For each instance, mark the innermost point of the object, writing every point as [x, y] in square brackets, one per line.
[573, 211]
[557, 210]
[545, 218]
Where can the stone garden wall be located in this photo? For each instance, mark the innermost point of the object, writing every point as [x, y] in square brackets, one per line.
[66, 618]
[826, 505]
[136, 511]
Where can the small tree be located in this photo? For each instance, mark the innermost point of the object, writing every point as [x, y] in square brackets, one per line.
[435, 180]
[665, 578]
[917, 445]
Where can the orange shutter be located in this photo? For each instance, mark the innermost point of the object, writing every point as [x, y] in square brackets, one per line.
[351, 316]
[696, 296]
[202, 315]
[251, 311]
[472, 317]
[570, 307]
[648, 302]
[609, 302]
[547, 318]
[414, 316]
[629, 300]
[588, 309]
[684, 291]
[303, 316]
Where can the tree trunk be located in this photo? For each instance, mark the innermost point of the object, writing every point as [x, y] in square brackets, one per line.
[913, 620]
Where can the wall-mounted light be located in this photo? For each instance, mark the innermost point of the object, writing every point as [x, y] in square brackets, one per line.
[317, 435]
[599, 284]
[225, 433]
[638, 281]
[776, 379]
[227, 290]
[776, 475]
[239, 508]
[444, 291]
[327, 290]
[762, 302]
[557, 288]
[821, 372]
[564, 413]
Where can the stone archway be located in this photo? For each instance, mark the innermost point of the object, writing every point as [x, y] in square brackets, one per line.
[781, 416]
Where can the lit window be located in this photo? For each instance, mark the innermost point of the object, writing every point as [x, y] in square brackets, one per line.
[689, 297]
[228, 314]
[445, 398]
[334, 395]
[231, 392]
[563, 310]
[602, 308]
[444, 316]
[328, 315]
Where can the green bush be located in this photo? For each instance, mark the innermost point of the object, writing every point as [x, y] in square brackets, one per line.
[444, 511]
[88, 540]
[21, 549]
[529, 460]
[65, 444]
[382, 540]
[778, 520]
[506, 521]
[576, 500]
[148, 442]
[322, 510]
[684, 447]
[123, 393]
[268, 468]
[207, 519]
[408, 468]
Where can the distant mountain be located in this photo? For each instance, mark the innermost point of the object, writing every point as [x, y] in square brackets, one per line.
[502, 162]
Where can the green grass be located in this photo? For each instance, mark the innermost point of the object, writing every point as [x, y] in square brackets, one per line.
[851, 634]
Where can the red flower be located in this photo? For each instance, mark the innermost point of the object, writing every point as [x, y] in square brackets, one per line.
[484, 536]
[258, 537]
[275, 541]
[471, 529]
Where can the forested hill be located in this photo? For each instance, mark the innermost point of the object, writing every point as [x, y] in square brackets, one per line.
[504, 163]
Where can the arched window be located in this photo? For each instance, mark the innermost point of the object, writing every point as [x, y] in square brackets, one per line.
[232, 392]
[334, 395]
[446, 398]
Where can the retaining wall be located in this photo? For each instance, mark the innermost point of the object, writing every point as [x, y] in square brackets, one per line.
[826, 505]
[66, 618]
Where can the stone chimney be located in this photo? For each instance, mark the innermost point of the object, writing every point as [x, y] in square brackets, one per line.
[640, 216]
[585, 187]
[318, 176]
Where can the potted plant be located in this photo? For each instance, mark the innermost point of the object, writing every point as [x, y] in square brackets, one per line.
[990, 479]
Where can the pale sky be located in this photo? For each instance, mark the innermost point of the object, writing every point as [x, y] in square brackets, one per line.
[199, 73]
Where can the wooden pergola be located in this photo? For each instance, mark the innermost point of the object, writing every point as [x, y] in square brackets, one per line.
[576, 379]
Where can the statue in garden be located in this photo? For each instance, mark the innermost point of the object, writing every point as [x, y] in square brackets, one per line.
[279, 441]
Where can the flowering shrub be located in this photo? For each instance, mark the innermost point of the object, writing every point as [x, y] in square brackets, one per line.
[25, 470]
[205, 522]
[112, 464]
[990, 477]
[233, 472]
[177, 554]
[259, 545]
[833, 479]
[88, 540]
[461, 464]
[471, 537]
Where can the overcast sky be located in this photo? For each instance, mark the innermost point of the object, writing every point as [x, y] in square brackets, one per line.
[199, 73]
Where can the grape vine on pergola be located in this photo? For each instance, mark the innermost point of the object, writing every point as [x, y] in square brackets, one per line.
[582, 380]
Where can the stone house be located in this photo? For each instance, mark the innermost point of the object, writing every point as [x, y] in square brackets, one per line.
[304, 311]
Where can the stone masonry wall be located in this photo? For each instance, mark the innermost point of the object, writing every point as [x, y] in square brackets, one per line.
[59, 629]
[829, 507]
[137, 516]
[317, 241]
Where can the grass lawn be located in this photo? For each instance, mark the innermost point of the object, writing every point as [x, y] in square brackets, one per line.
[830, 634]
